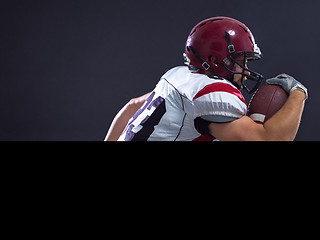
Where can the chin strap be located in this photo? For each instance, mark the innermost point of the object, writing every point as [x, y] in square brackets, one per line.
[231, 50]
[230, 45]
[204, 64]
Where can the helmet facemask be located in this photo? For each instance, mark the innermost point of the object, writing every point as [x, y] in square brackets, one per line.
[246, 73]
[246, 56]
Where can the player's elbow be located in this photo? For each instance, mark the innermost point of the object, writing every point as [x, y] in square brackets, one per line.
[283, 138]
[133, 105]
[130, 106]
[134, 102]
[277, 136]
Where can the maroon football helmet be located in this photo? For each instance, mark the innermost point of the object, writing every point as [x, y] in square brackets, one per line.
[216, 43]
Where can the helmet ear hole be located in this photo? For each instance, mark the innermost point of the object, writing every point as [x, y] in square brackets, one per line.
[214, 60]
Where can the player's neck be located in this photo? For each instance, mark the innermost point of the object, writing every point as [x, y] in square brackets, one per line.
[208, 73]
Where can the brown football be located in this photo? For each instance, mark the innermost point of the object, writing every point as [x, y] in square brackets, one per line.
[266, 101]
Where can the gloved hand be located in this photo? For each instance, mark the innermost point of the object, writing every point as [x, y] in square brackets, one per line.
[288, 83]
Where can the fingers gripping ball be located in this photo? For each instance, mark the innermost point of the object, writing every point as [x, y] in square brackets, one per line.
[288, 83]
[267, 100]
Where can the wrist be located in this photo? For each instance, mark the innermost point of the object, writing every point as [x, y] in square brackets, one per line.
[298, 94]
[300, 88]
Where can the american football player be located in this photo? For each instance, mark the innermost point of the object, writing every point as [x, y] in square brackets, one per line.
[202, 100]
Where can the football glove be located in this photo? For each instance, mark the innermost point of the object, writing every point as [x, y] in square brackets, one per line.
[288, 83]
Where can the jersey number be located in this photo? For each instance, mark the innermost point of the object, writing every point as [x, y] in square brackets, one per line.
[153, 111]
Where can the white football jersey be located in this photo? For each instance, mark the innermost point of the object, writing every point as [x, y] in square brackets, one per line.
[182, 105]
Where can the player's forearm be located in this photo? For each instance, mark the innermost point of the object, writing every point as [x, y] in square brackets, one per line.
[285, 123]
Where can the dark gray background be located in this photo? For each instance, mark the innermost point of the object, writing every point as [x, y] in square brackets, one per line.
[67, 67]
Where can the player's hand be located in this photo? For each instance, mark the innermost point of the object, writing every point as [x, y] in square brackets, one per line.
[288, 83]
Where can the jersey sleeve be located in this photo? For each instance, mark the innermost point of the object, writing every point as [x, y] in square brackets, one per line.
[219, 102]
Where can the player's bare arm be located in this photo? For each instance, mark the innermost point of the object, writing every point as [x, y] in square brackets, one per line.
[282, 126]
[121, 119]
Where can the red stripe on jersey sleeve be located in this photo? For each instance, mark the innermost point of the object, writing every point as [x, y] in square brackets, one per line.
[220, 87]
